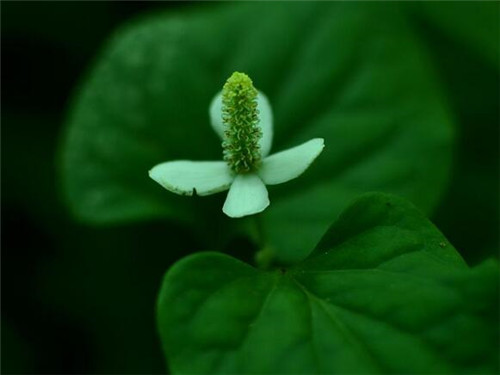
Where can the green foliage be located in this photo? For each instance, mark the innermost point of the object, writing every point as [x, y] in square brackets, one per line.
[353, 74]
[475, 25]
[79, 299]
[383, 292]
[471, 82]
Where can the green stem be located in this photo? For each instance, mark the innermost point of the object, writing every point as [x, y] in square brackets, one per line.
[265, 256]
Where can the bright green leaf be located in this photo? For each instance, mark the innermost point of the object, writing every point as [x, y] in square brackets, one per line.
[383, 292]
[351, 73]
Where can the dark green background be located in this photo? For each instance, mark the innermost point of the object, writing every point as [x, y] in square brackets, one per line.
[80, 299]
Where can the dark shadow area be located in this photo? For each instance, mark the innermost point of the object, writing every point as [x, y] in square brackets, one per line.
[468, 214]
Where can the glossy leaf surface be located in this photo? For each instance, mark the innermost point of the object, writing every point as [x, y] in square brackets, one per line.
[384, 292]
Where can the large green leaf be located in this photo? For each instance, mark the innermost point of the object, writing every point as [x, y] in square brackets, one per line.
[353, 74]
[383, 292]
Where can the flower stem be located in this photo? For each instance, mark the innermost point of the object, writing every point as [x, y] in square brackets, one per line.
[264, 257]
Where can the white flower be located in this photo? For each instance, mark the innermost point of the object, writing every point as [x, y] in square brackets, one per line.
[247, 180]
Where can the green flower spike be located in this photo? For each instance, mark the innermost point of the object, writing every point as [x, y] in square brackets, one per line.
[242, 117]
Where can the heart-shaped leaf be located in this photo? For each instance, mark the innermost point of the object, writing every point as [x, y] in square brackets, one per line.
[353, 74]
[383, 292]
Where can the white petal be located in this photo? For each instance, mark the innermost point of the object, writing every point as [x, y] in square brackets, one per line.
[247, 196]
[215, 112]
[289, 164]
[265, 115]
[266, 124]
[187, 177]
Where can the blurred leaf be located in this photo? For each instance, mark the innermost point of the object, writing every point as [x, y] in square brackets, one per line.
[471, 84]
[474, 24]
[351, 73]
[384, 292]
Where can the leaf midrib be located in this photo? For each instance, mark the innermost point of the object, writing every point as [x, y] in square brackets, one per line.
[359, 342]
[348, 334]
[251, 324]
